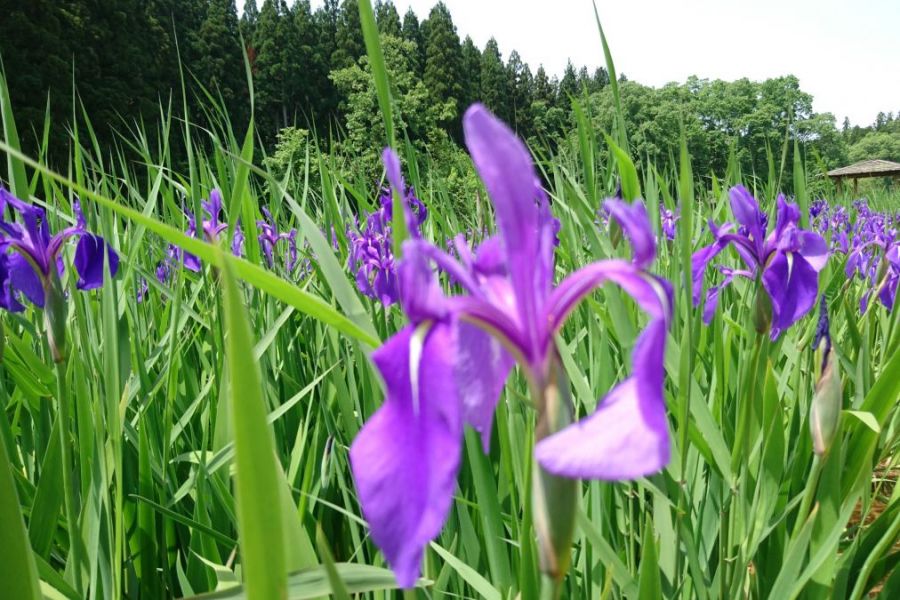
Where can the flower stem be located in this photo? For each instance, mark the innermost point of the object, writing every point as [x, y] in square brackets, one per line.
[549, 588]
[554, 499]
[67, 466]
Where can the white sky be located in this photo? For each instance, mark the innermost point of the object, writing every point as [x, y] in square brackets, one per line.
[846, 53]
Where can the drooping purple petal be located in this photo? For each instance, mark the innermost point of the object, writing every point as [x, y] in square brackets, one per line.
[627, 436]
[8, 298]
[25, 279]
[712, 294]
[792, 285]
[406, 457]
[636, 224]
[89, 261]
[482, 367]
[814, 249]
[420, 293]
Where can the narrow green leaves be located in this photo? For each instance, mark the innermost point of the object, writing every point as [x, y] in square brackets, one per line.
[256, 479]
[18, 571]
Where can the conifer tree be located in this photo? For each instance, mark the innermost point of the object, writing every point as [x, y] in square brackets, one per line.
[494, 81]
[349, 43]
[412, 32]
[271, 75]
[568, 86]
[388, 18]
[600, 79]
[471, 59]
[221, 67]
[249, 19]
[520, 93]
[443, 63]
[543, 88]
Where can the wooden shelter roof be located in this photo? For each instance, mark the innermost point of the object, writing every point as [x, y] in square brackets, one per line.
[868, 168]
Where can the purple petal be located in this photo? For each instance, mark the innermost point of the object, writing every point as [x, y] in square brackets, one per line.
[24, 278]
[191, 261]
[482, 367]
[746, 211]
[814, 249]
[89, 261]
[395, 178]
[420, 293]
[505, 167]
[406, 457]
[787, 214]
[7, 295]
[792, 284]
[699, 261]
[627, 436]
[652, 294]
[636, 225]
[214, 207]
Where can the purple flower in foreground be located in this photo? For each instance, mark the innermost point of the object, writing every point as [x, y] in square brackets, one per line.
[448, 366]
[787, 260]
[33, 267]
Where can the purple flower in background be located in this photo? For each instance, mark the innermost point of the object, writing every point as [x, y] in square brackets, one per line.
[143, 290]
[877, 262]
[371, 256]
[269, 238]
[211, 229]
[668, 220]
[163, 270]
[448, 366]
[35, 261]
[787, 260]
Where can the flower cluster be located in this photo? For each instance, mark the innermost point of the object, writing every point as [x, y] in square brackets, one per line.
[785, 262]
[448, 366]
[371, 258]
[869, 238]
[211, 228]
[30, 257]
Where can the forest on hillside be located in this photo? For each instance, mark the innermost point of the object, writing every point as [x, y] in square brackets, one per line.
[311, 82]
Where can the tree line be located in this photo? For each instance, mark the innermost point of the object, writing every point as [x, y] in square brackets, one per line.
[123, 58]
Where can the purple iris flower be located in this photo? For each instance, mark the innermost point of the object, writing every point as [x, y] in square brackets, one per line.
[36, 259]
[877, 262]
[371, 256]
[211, 229]
[787, 260]
[668, 220]
[143, 290]
[269, 237]
[448, 366]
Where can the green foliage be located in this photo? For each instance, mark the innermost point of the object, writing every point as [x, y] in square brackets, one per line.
[877, 144]
[413, 112]
[716, 116]
[171, 394]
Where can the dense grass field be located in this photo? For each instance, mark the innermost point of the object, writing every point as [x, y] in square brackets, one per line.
[184, 429]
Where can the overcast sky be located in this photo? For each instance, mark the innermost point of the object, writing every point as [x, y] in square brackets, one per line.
[846, 53]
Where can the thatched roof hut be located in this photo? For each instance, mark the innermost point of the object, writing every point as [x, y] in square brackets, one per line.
[863, 169]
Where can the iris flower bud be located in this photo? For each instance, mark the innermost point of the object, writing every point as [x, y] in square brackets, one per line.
[825, 409]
